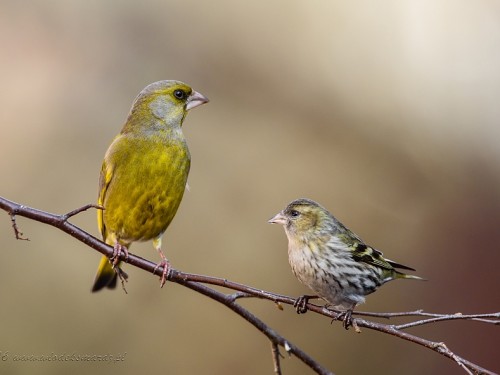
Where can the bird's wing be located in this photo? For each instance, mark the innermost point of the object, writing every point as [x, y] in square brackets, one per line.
[399, 265]
[104, 179]
[367, 254]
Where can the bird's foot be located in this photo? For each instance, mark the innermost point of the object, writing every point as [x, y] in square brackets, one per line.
[166, 270]
[123, 276]
[300, 303]
[118, 249]
[346, 317]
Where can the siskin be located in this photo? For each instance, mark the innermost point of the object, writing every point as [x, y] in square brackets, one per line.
[144, 174]
[331, 260]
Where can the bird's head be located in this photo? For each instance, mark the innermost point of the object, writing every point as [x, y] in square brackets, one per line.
[302, 217]
[163, 102]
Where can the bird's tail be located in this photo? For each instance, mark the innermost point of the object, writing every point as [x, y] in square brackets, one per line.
[401, 275]
[106, 276]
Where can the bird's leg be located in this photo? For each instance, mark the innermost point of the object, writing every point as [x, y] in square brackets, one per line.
[117, 251]
[300, 303]
[163, 263]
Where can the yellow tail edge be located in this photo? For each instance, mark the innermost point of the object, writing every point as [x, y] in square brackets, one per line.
[105, 277]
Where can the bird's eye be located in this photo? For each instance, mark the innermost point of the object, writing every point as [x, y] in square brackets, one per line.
[179, 94]
[294, 213]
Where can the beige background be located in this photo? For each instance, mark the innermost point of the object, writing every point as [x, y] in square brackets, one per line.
[385, 112]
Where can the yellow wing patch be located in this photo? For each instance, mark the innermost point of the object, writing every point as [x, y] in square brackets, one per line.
[104, 180]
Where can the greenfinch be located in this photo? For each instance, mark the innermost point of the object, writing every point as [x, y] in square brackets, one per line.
[144, 174]
[331, 260]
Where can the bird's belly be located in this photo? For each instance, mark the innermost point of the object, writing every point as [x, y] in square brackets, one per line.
[139, 206]
[342, 282]
[150, 216]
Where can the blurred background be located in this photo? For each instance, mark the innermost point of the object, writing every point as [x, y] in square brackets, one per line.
[387, 113]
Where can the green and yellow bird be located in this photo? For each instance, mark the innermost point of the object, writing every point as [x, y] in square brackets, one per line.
[144, 174]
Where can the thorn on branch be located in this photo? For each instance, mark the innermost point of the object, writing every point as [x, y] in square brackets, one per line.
[355, 326]
[19, 235]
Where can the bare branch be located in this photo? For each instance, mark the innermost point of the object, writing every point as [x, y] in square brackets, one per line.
[196, 282]
[60, 222]
[438, 347]
[19, 235]
[275, 350]
[456, 316]
[81, 209]
[439, 317]
[256, 322]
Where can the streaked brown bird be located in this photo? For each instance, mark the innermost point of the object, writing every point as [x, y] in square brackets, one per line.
[331, 260]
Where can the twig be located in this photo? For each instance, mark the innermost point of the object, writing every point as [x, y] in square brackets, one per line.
[456, 358]
[456, 316]
[257, 323]
[438, 347]
[239, 295]
[439, 317]
[81, 209]
[19, 235]
[275, 351]
[196, 282]
[60, 222]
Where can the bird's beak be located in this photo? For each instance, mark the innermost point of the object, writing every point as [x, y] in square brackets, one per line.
[278, 219]
[195, 99]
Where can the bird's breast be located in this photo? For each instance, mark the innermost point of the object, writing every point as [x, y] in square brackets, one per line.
[149, 178]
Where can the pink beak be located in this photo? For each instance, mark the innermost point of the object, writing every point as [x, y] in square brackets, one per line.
[278, 219]
[195, 99]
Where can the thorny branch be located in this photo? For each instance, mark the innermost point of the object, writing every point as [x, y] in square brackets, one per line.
[197, 283]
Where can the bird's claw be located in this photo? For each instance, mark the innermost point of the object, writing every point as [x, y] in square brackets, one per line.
[123, 276]
[117, 251]
[166, 270]
[300, 304]
[346, 317]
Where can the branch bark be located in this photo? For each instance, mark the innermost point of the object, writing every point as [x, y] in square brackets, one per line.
[197, 283]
